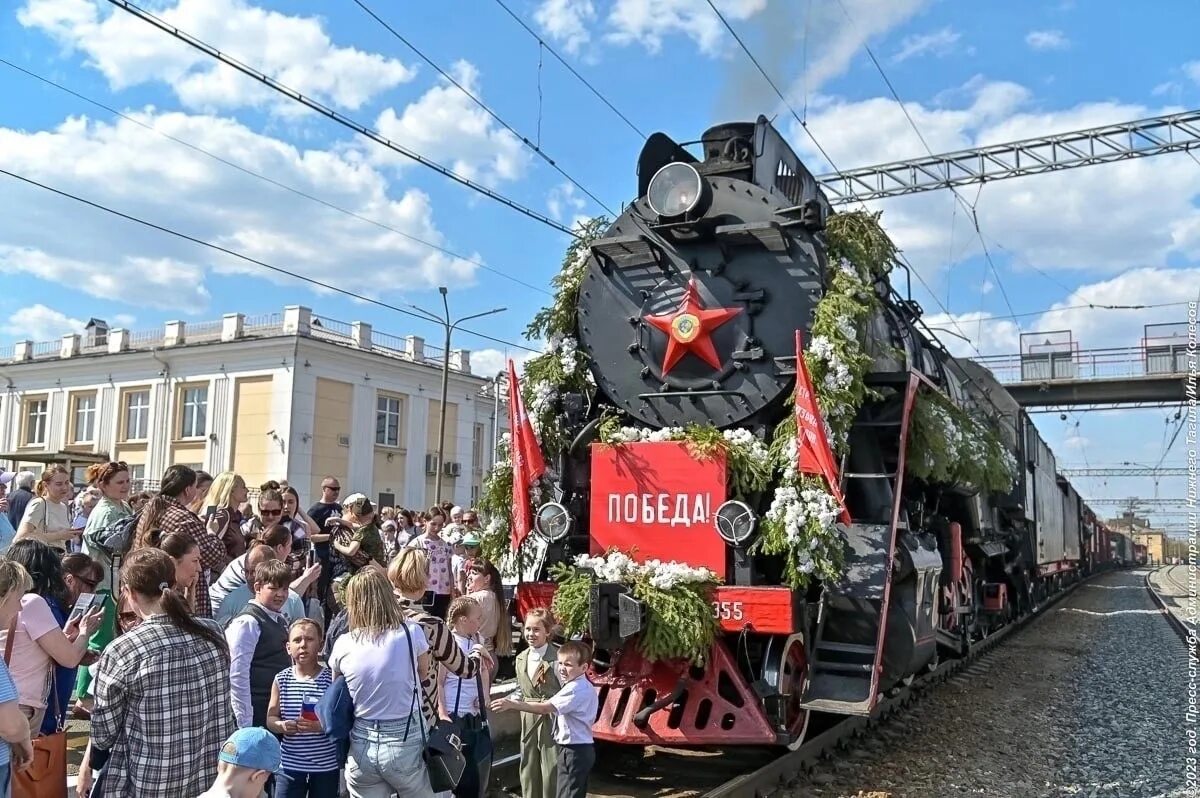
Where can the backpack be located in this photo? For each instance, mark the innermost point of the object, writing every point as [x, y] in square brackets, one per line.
[116, 538]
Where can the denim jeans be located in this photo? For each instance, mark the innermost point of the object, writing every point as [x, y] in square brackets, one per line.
[386, 758]
[5, 778]
[298, 784]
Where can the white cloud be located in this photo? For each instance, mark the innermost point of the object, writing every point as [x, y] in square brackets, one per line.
[1090, 328]
[984, 333]
[124, 321]
[1192, 70]
[566, 21]
[986, 287]
[146, 175]
[566, 204]
[938, 42]
[1047, 40]
[40, 323]
[445, 125]
[490, 362]
[1052, 221]
[295, 50]
[648, 22]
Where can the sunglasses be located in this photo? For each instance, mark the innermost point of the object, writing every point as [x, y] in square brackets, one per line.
[334, 488]
[269, 513]
[85, 581]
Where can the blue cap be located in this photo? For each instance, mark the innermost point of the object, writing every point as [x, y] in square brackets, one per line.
[252, 748]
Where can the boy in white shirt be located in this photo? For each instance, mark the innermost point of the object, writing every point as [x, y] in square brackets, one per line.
[574, 709]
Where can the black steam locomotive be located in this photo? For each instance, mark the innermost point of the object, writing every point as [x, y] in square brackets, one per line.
[688, 313]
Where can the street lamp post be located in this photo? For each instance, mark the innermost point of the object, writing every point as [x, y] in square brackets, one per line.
[449, 326]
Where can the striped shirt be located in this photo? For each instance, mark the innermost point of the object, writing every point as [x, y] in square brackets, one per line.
[307, 752]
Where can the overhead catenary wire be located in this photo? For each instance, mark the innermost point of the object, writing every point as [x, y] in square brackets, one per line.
[969, 207]
[240, 256]
[571, 69]
[340, 118]
[534, 147]
[272, 181]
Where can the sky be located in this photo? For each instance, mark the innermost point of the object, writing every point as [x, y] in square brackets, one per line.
[191, 141]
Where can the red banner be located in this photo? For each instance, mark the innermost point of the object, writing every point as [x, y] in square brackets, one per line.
[527, 461]
[656, 501]
[814, 454]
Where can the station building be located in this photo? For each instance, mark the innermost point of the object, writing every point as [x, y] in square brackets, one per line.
[1138, 529]
[286, 394]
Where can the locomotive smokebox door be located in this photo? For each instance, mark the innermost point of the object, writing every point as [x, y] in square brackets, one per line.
[614, 614]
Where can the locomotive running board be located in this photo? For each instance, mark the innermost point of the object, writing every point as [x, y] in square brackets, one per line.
[844, 675]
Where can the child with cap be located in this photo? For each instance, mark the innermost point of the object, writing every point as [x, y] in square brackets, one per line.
[247, 761]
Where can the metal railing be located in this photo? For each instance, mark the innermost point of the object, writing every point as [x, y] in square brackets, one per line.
[47, 348]
[203, 331]
[1087, 364]
[144, 338]
[263, 324]
[330, 329]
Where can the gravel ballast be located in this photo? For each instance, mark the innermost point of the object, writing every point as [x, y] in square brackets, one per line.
[1087, 700]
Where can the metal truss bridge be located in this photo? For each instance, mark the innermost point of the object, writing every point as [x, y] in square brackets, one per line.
[1120, 142]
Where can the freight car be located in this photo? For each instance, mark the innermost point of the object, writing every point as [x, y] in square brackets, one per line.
[671, 381]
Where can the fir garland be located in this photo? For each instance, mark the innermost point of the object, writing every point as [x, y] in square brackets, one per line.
[679, 620]
[948, 446]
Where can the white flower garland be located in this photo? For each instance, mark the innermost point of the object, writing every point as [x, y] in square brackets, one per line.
[739, 438]
[616, 566]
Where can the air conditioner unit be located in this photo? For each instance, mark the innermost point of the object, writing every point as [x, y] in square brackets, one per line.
[431, 465]
[343, 440]
[452, 469]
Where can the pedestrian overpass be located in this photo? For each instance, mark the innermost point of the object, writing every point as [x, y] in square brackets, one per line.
[1052, 371]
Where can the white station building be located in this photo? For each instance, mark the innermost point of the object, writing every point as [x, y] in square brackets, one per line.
[281, 395]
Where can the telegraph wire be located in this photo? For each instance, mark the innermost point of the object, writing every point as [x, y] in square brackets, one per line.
[969, 207]
[274, 182]
[234, 253]
[570, 68]
[339, 117]
[536, 148]
[1087, 306]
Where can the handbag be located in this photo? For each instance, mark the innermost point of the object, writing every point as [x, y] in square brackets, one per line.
[46, 776]
[442, 747]
[335, 710]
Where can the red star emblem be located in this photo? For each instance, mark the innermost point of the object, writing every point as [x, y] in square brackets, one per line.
[690, 328]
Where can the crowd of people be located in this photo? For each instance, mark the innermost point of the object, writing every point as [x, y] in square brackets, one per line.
[213, 641]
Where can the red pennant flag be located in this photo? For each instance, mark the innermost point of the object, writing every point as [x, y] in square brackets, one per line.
[527, 462]
[813, 451]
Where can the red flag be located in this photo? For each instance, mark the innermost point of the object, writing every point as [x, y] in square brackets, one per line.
[527, 461]
[812, 446]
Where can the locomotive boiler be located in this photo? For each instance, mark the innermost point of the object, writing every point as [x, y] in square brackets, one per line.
[688, 311]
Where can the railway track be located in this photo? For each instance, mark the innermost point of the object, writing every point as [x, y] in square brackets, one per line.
[755, 773]
[1176, 577]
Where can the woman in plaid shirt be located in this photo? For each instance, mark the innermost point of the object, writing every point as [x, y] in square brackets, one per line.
[162, 692]
[168, 512]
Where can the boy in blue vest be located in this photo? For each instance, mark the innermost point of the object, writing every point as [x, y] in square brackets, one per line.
[258, 640]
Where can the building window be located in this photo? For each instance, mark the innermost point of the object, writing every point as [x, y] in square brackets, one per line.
[137, 415]
[137, 477]
[477, 448]
[387, 421]
[195, 413]
[474, 495]
[85, 419]
[35, 422]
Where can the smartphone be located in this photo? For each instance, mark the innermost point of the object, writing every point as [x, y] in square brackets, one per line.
[311, 560]
[210, 511]
[84, 603]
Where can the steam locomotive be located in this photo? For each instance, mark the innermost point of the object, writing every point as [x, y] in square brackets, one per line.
[688, 313]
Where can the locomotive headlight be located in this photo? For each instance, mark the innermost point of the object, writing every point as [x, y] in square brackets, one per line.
[735, 522]
[675, 189]
[552, 522]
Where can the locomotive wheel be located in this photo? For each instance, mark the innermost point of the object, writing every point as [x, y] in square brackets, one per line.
[786, 669]
[795, 674]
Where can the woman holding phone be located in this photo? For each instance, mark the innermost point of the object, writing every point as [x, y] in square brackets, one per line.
[39, 639]
[47, 517]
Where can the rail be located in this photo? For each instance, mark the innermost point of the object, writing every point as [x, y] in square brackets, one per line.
[1116, 363]
[263, 324]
